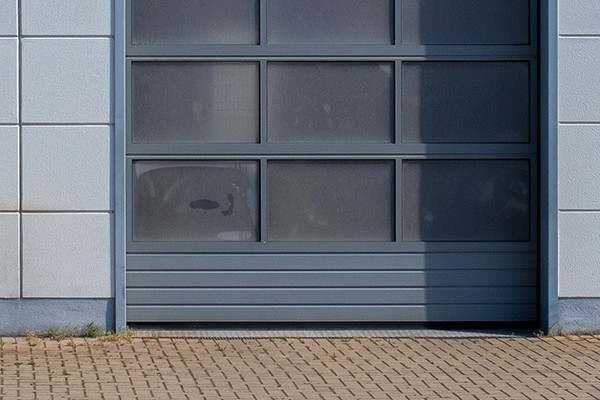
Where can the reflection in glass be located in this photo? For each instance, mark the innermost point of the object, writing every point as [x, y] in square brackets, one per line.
[465, 102]
[465, 22]
[195, 200]
[194, 102]
[330, 101]
[330, 201]
[329, 22]
[177, 22]
[466, 200]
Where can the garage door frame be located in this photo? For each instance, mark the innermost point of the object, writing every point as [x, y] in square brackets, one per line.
[547, 173]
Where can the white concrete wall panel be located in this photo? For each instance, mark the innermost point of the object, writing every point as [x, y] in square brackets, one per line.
[579, 167]
[9, 171]
[8, 17]
[9, 80]
[579, 80]
[67, 168]
[579, 17]
[579, 253]
[66, 17]
[9, 255]
[67, 255]
[578, 150]
[66, 80]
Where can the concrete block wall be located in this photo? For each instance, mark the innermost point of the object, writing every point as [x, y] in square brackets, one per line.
[56, 147]
[579, 164]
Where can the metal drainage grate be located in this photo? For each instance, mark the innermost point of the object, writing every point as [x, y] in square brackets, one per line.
[325, 334]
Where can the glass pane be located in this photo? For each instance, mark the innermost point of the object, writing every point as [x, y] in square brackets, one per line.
[465, 21]
[331, 200]
[195, 200]
[168, 22]
[460, 200]
[465, 102]
[329, 21]
[195, 102]
[330, 101]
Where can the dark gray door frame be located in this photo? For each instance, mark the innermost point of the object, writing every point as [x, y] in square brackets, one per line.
[548, 165]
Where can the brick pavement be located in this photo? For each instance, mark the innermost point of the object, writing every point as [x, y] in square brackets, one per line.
[279, 368]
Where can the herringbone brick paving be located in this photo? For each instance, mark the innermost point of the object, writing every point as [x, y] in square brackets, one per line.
[563, 367]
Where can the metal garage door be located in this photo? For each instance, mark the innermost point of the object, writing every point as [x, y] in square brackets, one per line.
[332, 160]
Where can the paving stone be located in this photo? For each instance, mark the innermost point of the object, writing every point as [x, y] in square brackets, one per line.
[302, 368]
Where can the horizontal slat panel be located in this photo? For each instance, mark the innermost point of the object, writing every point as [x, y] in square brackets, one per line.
[290, 279]
[492, 295]
[446, 313]
[509, 260]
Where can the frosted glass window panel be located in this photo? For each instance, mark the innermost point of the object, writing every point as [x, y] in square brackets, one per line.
[186, 22]
[195, 102]
[465, 102]
[330, 101]
[329, 22]
[330, 201]
[465, 22]
[195, 201]
[466, 200]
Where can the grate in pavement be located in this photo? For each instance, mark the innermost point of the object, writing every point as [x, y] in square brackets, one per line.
[327, 333]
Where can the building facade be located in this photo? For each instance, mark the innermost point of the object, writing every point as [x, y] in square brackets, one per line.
[81, 144]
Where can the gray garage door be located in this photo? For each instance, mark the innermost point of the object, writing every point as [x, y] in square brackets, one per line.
[332, 160]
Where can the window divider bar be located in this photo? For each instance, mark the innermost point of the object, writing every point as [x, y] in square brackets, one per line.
[263, 117]
[397, 18]
[397, 103]
[262, 22]
[263, 200]
[398, 200]
[533, 106]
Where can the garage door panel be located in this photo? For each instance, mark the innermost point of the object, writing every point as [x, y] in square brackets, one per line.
[268, 297]
[187, 102]
[330, 102]
[466, 200]
[465, 102]
[465, 21]
[180, 22]
[320, 21]
[330, 201]
[242, 279]
[195, 201]
[332, 160]
[319, 262]
[405, 313]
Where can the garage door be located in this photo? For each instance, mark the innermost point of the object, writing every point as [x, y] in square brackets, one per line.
[332, 160]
